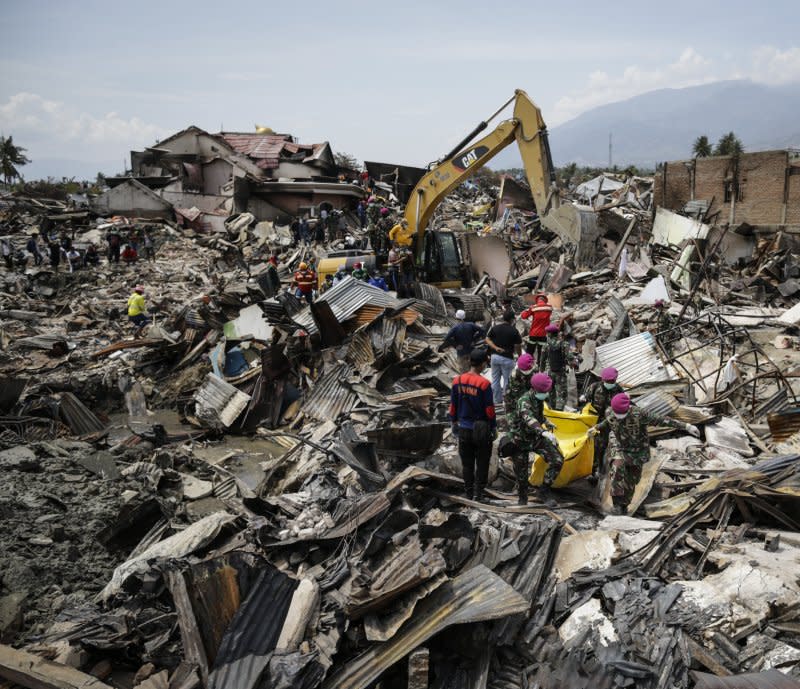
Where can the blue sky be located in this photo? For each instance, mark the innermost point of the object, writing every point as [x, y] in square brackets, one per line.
[89, 81]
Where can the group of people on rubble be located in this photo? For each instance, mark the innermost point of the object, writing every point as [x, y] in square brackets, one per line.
[59, 248]
[524, 385]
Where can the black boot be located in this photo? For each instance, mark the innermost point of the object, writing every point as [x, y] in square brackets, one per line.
[545, 496]
[479, 496]
[522, 494]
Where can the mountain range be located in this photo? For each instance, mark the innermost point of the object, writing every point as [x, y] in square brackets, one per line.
[662, 125]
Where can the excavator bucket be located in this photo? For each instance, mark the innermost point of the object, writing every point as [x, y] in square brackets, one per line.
[578, 450]
[576, 225]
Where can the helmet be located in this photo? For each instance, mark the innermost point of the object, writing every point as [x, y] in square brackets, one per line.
[303, 265]
[659, 303]
[525, 362]
[357, 266]
[461, 315]
[620, 403]
[138, 288]
[541, 382]
[609, 375]
[384, 211]
[541, 298]
[552, 328]
[477, 356]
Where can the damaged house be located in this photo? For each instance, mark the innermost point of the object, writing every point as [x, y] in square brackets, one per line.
[203, 178]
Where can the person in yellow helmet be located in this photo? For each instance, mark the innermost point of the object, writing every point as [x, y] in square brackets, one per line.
[304, 280]
[137, 310]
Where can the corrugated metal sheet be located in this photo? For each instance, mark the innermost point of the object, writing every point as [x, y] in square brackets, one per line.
[219, 403]
[432, 295]
[659, 403]
[78, 416]
[413, 346]
[473, 596]
[253, 633]
[636, 359]
[346, 299]
[268, 149]
[778, 402]
[359, 350]
[773, 679]
[331, 395]
[784, 424]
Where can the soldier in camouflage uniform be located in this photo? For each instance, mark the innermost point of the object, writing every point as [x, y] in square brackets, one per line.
[519, 382]
[382, 228]
[599, 396]
[557, 356]
[527, 427]
[629, 425]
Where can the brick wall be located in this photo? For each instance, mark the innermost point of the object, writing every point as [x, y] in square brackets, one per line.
[761, 178]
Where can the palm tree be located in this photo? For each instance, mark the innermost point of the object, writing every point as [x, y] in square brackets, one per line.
[729, 145]
[702, 147]
[10, 157]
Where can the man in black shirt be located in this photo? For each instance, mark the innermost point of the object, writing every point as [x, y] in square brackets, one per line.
[503, 339]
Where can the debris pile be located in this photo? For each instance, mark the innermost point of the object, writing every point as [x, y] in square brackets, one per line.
[259, 491]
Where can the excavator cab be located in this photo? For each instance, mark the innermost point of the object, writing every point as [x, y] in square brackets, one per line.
[440, 262]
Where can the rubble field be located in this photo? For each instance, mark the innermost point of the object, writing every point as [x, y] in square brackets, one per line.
[256, 492]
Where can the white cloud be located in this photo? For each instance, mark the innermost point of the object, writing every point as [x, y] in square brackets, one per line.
[690, 69]
[774, 66]
[54, 128]
[766, 65]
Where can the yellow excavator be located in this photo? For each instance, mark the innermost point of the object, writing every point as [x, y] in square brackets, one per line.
[438, 255]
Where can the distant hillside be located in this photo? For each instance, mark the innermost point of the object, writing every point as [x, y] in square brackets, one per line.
[662, 125]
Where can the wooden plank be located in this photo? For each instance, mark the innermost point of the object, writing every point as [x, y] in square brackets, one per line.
[706, 658]
[34, 672]
[124, 344]
[624, 240]
[193, 648]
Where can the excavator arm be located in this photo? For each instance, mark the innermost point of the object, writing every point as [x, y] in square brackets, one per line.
[575, 226]
[530, 132]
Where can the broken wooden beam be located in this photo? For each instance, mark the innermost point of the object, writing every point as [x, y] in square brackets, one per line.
[34, 672]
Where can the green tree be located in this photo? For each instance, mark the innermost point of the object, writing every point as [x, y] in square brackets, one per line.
[11, 156]
[701, 147]
[729, 145]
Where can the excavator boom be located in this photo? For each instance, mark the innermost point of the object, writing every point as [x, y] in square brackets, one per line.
[530, 132]
[437, 256]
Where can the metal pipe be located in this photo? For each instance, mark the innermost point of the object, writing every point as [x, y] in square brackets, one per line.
[481, 126]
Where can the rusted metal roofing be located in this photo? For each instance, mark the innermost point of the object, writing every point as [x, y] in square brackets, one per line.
[773, 679]
[784, 424]
[268, 149]
[331, 395]
[637, 360]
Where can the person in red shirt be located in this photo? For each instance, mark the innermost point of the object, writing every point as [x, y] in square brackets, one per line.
[304, 280]
[540, 319]
[474, 423]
